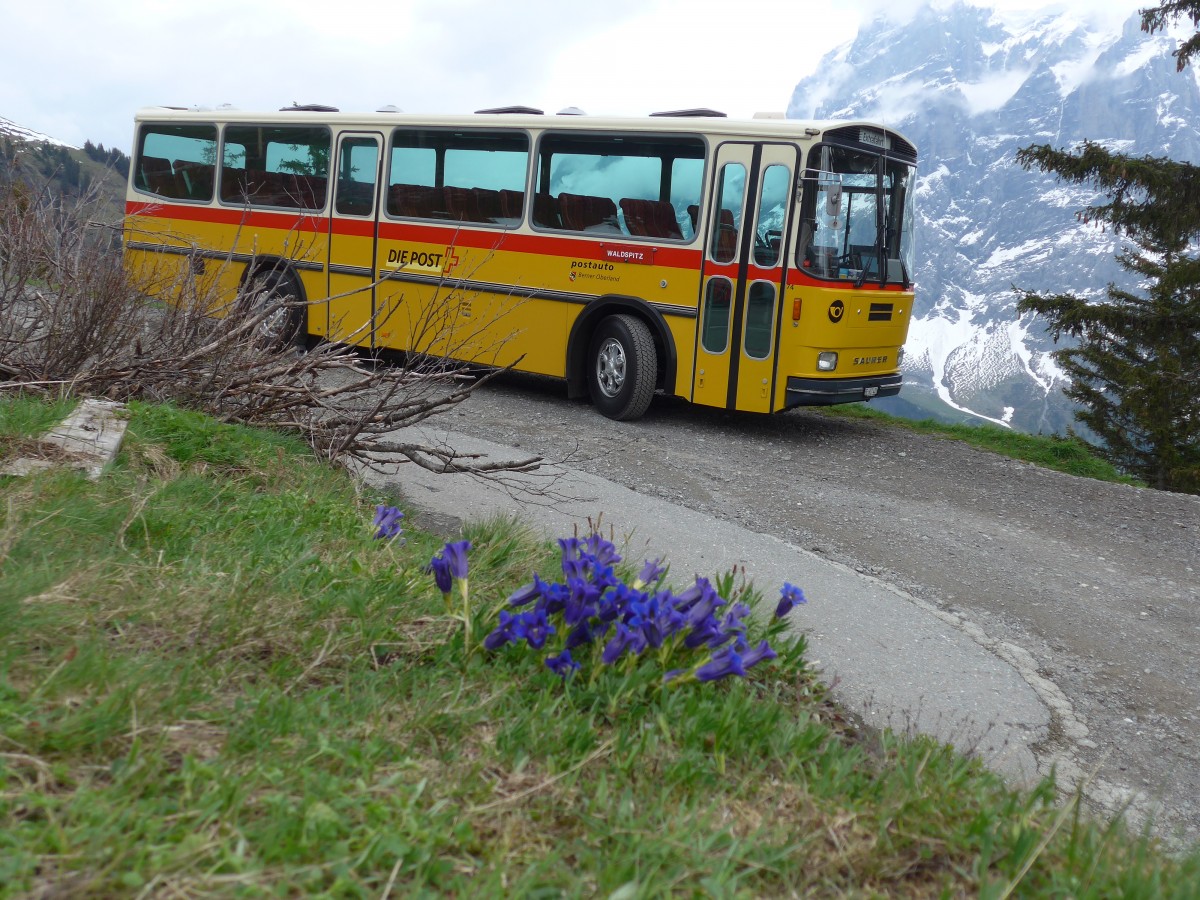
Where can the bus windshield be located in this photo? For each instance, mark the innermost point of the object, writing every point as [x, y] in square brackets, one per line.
[857, 217]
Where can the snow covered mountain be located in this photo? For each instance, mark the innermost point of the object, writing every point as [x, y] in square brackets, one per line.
[969, 86]
[14, 132]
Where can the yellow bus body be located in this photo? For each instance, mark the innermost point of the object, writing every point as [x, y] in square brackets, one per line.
[533, 297]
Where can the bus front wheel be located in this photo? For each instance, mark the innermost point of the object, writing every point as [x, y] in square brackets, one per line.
[622, 367]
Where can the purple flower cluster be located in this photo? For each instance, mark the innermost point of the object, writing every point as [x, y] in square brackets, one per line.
[387, 522]
[592, 606]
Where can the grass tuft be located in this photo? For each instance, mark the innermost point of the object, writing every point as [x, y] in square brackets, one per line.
[1070, 454]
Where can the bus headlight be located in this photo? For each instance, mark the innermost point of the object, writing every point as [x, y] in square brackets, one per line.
[826, 361]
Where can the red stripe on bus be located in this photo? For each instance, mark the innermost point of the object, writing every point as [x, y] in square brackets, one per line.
[540, 245]
[286, 221]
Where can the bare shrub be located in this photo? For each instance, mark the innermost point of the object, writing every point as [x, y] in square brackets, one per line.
[73, 320]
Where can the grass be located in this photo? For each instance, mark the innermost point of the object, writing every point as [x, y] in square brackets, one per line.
[214, 682]
[1070, 454]
[25, 419]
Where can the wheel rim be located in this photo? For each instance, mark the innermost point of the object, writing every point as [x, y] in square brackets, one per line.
[273, 328]
[610, 367]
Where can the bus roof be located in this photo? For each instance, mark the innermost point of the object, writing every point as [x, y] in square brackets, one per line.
[703, 122]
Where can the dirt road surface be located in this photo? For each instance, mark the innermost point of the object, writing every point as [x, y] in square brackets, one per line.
[1095, 586]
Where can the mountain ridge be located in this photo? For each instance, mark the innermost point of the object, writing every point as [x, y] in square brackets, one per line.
[970, 86]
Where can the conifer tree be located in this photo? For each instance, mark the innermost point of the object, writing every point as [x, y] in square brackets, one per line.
[1135, 360]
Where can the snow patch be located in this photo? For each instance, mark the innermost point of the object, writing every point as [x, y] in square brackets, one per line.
[936, 341]
[1041, 367]
[993, 93]
[1144, 52]
[1031, 250]
[11, 129]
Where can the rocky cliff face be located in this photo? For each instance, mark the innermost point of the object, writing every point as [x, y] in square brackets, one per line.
[970, 86]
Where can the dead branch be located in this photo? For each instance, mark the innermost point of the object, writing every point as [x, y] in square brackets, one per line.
[73, 319]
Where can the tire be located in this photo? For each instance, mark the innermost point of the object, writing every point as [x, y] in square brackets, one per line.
[288, 329]
[622, 367]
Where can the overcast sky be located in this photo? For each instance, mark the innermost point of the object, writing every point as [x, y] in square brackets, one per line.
[78, 69]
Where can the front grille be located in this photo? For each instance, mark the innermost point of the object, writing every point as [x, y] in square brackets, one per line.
[880, 312]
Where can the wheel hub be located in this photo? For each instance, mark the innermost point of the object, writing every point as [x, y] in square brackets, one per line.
[610, 367]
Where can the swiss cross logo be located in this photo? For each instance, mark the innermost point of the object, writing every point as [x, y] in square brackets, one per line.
[451, 261]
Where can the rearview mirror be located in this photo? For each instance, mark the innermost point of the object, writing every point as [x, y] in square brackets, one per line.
[833, 200]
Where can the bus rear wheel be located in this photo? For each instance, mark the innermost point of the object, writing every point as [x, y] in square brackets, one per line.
[622, 367]
[285, 326]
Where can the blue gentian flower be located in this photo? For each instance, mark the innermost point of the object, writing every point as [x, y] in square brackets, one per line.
[586, 633]
[604, 552]
[562, 664]
[441, 574]
[789, 596]
[387, 521]
[732, 626]
[554, 598]
[704, 608]
[503, 633]
[536, 628]
[685, 600]
[580, 603]
[723, 663]
[455, 554]
[703, 633]
[592, 599]
[528, 593]
[758, 654]
[651, 573]
[625, 639]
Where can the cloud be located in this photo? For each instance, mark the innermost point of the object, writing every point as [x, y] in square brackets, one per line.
[79, 70]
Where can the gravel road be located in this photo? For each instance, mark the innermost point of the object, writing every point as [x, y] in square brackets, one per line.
[1095, 583]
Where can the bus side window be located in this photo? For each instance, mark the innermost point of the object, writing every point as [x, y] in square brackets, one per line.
[464, 176]
[634, 185]
[276, 165]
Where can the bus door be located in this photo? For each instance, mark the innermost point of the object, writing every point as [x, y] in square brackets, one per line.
[744, 268]
[353, 240]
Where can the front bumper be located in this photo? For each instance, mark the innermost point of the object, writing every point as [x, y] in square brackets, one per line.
[828, 391]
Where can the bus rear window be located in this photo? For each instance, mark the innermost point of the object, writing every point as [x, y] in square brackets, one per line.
[176, 161]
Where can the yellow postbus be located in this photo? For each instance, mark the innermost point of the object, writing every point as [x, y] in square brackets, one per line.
[749, 265]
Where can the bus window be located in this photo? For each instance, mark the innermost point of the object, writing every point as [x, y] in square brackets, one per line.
[715, 335]
[772, 207]
[760, 318]
[176, 161]
[725, 231]
[284, 165]
[686, 177]
[357, 167]
[619, 185]
[857, 223]
[463, 176]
